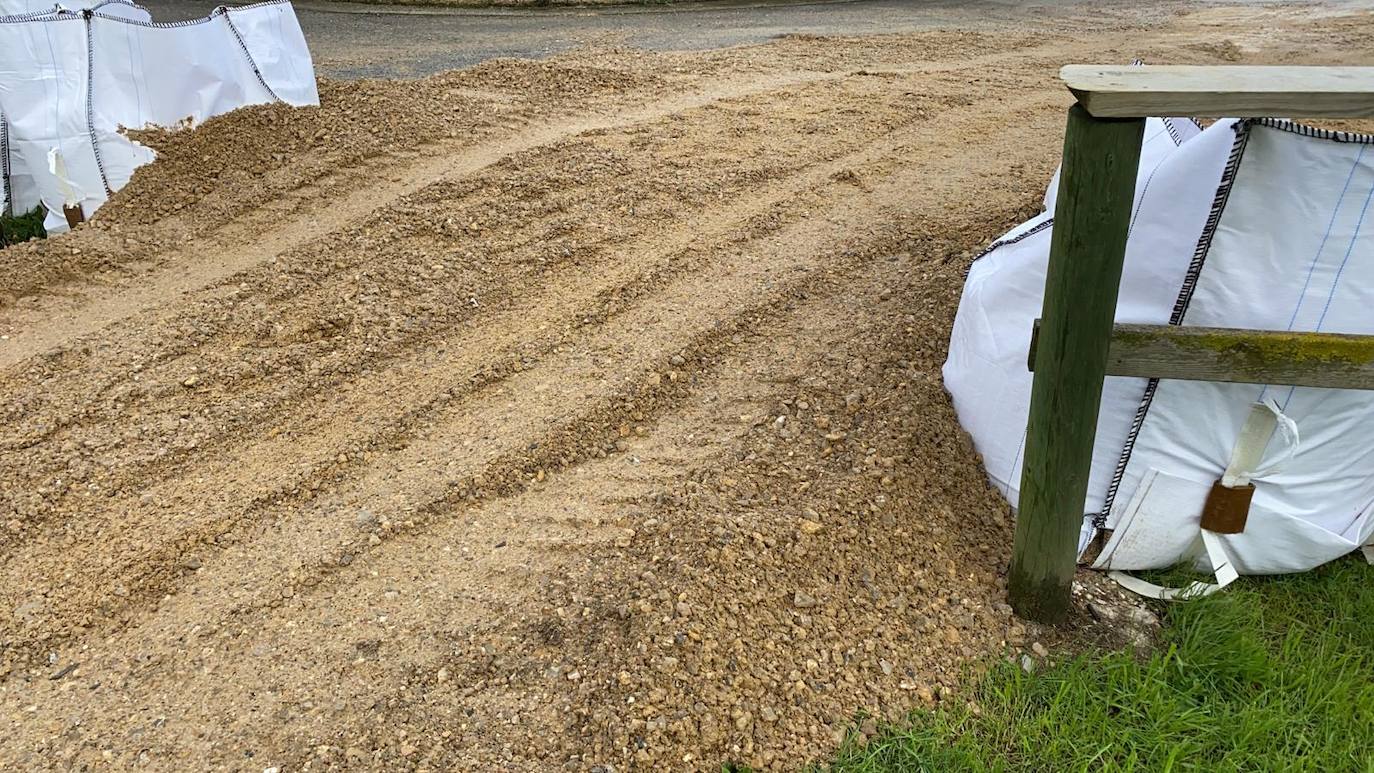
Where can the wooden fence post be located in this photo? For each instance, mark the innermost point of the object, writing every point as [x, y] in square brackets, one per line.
[1087, 249]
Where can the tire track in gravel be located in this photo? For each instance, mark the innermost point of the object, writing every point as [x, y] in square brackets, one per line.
[762, 199]
[207, 651]
[267, 476]
[133, 380]
[104, 386]
[289, 466]
[569, 400]
[53, 321]
[182, 341]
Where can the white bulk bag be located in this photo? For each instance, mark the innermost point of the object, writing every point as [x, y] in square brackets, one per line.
[70, 81]
[1244, 225]
[18, 189]
[986, 369]
[1293, 249]
[43, 94]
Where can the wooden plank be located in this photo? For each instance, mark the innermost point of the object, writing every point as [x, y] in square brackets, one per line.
[1330, 360]
[1087, 249]
[1227, 90]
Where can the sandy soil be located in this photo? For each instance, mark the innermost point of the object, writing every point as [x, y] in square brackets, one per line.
[582, 414]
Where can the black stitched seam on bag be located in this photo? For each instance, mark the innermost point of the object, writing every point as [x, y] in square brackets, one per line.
[1013, 240]
[1285, 125]
[1185, 296]
[5, 171]
[249, 56]
[90, 104]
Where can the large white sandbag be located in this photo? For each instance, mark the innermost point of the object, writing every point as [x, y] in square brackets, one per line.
[18, 189]
[1293, 249]
[986, 370]
[1256, 224]
[43, 95]
[70, 82]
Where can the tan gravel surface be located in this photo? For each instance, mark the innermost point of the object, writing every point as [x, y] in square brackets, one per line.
[580, 414]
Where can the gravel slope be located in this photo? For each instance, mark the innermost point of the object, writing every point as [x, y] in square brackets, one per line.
[535, 416]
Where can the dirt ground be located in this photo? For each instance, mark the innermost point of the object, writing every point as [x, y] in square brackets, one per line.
[581, 414]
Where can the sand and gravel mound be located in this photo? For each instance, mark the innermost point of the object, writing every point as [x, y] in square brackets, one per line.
[582, 414]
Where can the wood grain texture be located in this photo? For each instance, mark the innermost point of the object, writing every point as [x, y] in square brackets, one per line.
[1224, 90]
[1087, 249]
[1329, 360]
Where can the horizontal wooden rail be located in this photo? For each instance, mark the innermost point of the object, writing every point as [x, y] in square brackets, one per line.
[1329, 360]
[1227, 90]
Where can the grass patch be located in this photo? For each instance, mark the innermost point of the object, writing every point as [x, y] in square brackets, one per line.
[1270, 675]
[21, 228]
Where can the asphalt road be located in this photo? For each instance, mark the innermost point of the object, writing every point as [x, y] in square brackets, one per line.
[356, 41]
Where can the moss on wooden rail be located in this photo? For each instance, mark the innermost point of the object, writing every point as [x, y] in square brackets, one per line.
[1255, 351]
[1244, 356]
[1331, 360]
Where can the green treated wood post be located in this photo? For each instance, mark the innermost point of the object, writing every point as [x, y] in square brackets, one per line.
[1087, 249]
